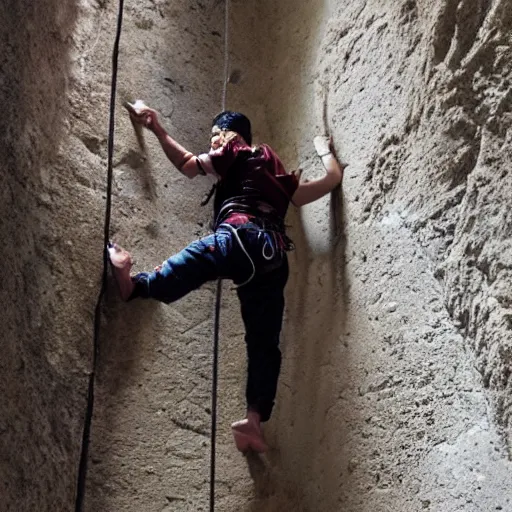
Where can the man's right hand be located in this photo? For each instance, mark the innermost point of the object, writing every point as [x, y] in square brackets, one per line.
[143, 115]
[182, 159]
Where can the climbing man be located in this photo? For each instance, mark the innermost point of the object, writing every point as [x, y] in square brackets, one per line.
[248, 245]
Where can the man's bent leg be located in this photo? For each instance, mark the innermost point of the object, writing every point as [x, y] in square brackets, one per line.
[187, 270]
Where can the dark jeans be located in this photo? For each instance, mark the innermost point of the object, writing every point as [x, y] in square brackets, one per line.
[262, 298]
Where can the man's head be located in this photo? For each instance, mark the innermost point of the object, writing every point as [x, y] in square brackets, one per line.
[228, 121]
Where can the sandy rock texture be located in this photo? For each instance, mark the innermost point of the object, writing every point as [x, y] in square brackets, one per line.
[441, 166]
[47, 221]
[381, 272]
[395, 390]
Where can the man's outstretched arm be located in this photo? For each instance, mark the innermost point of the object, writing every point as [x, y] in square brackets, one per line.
[186, 162]
[310, 191]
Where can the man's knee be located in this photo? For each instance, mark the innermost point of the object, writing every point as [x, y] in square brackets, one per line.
[156, 285]
[262, 340]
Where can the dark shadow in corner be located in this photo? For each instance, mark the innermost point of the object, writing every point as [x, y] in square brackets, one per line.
[41, 399]
[269, 495]
[122, 354]
[261, 474]
[315, 327]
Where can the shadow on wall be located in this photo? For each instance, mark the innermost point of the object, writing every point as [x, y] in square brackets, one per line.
[303, 430]
[306, 461]
[122, 362]
[40, 421]
[133, 428]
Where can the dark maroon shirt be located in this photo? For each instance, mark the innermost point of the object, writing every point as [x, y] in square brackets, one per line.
[250, 176]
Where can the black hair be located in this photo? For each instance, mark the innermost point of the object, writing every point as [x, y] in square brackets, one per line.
[236, 122]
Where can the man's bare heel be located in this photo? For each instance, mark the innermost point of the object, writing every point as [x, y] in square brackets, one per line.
[241, 442]
[248, 437]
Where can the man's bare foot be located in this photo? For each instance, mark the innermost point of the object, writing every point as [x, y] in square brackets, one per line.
[121, 265]
[248, 435]
[119, 257]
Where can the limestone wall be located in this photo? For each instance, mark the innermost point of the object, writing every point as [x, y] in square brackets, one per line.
[46, 324]
[425, 87]
[379, 355]
[395, 391]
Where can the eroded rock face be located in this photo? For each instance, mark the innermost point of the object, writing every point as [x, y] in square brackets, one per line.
[378, 407]
[443, 158]
[45, 322]
[411, 89]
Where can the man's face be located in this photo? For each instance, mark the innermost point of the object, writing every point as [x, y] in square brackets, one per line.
[217, 137]
[221, 136]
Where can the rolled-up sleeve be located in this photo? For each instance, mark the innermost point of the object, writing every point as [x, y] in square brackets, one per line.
[204, 162]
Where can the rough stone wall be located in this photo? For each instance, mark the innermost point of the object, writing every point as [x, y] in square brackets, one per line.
[441, 115]
[400, 284]
[379, 406]
[150, 447]
[45, 323]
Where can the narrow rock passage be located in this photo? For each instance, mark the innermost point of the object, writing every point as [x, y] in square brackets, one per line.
[381, 407]
[395, 389]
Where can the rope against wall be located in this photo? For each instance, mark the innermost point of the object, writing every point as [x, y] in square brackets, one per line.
[82, 468]
[218, 294]
[84, 452]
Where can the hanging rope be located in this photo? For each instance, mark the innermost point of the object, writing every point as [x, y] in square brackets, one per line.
[218, 295]
[226, 56]
[82, 469]
[215, 374]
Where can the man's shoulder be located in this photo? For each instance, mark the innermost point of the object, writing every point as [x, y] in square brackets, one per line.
[265, 146]
[266, 151]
